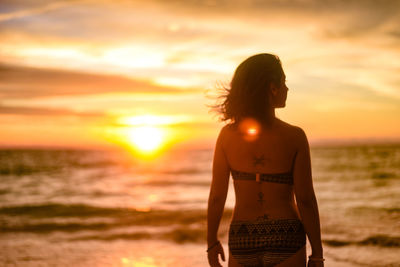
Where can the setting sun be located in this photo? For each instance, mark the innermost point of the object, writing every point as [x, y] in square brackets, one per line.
[146, 138]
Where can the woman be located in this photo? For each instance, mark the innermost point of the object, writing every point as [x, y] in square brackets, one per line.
[269, 160]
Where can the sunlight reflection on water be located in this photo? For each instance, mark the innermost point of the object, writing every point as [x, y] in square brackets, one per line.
[142, 262]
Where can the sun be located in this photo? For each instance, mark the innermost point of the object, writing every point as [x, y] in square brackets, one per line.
[146, 138]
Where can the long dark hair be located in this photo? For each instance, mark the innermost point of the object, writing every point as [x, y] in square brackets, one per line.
[248, 94]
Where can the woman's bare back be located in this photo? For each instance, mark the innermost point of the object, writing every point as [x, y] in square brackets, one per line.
[273, 152]
[271, 169]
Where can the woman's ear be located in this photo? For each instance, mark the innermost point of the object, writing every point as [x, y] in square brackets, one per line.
[273, 89]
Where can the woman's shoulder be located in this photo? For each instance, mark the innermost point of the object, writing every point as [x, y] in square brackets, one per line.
[227, 131]
[295, 132]
[228, 128]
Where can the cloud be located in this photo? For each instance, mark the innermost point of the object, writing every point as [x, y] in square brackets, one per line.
[37, 111]
[195, 43]
[159, 55]
[33, 10]
[182, 19]
[29, 82]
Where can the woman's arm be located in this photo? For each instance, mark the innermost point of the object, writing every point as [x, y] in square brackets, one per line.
[218, 190]
[305, 196]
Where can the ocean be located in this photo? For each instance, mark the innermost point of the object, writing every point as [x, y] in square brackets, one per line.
[61, 207]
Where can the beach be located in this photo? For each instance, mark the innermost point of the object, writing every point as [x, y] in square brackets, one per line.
[64, 207]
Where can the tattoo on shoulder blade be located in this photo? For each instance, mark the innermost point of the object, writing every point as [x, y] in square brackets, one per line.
[258, 160]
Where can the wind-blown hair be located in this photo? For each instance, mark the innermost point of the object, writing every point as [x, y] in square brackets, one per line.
[248, 95]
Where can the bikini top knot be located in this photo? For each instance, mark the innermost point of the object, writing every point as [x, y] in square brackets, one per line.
[282, 178]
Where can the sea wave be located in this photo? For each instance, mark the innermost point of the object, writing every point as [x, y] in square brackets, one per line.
[87, 222]
[51, 210]
[176, 225]
[30, 214]
[61, 210]
[43, 228]
[179, 235]
[21, 169]
[371, 211]
[383, 175]
[105, 231]
[375, 240]
[185, 171]
[175, 182]
[20, 162]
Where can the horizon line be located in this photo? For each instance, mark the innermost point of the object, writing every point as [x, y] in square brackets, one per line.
[314, 143]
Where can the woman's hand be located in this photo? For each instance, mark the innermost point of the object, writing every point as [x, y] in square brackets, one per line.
[213, 255]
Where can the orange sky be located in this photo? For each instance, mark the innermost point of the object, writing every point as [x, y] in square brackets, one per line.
[83, 73]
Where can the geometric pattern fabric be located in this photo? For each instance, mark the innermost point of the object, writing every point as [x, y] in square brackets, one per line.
[265, 242]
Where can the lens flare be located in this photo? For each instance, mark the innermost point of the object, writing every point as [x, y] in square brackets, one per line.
[250, 129]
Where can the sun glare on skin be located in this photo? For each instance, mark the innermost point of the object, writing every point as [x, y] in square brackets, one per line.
[250, 129]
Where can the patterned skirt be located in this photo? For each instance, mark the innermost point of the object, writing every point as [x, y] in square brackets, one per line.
[265, 242]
